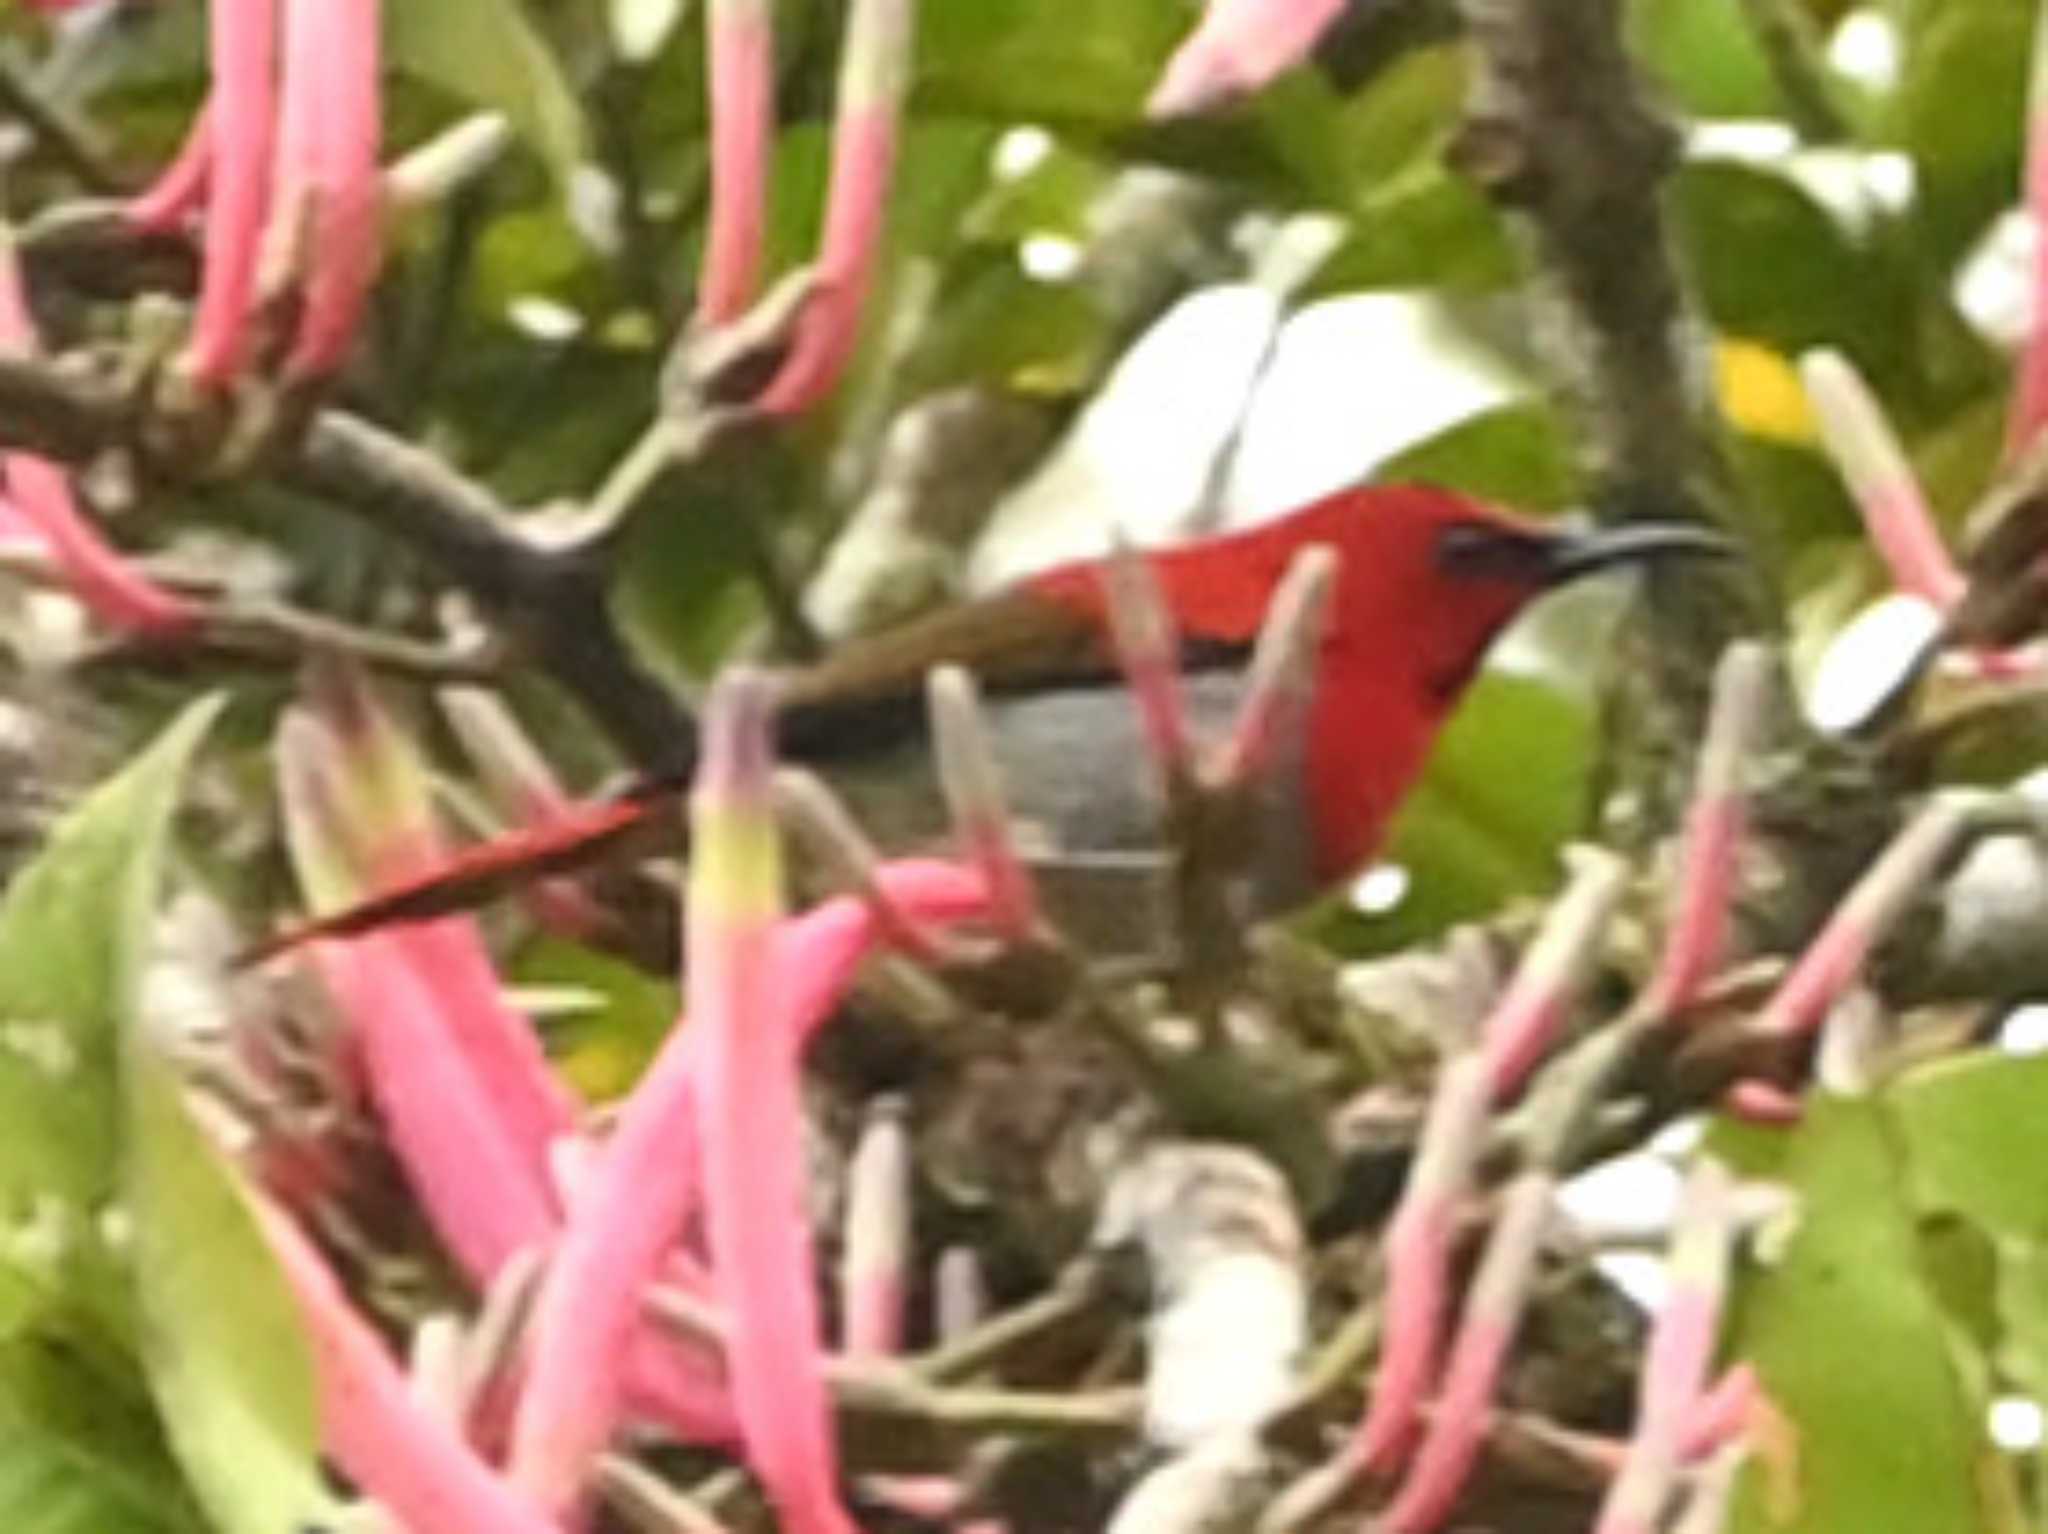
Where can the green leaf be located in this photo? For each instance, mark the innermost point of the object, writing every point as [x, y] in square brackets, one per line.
[1849, 1335]
[79, 1444]
[487, 52]
[1705, 53]
[1517, 454]
[48, 1487]
[234, 1381]
[1774, 265]
[72, 933]
[1959, 110]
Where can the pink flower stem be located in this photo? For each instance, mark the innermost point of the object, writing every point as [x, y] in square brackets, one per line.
[347, 241]
[1886, 491]
[750, 1126]
[397, 1449]
[874, 1270]
[1281, 677]
[1714, 826]
[1681, 1345]
[1722, 1413]
[874, 73]
[1464, 1410]
[1833, 960]
[1418, 1254]
[2030, 379]
[740, 42]
[243, 108]
[1527, 1017]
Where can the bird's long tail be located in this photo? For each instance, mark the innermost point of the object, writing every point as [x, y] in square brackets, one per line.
[482, 873]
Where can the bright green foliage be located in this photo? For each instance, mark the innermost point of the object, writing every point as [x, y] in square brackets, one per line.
[186, 1307]
[1848, 1332]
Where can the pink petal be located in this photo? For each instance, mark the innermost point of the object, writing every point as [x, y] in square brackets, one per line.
[1239, 47]
[481, 1192]
[243, 107]
[347, 189]
[872, 77]
[399, 1452]
[740, 39]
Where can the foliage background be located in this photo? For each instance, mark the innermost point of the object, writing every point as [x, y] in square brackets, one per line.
[1858, 195]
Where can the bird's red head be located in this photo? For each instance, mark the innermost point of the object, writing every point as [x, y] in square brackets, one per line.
[1427, 579]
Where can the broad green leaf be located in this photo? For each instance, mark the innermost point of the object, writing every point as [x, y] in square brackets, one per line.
[1958, 111]
[1516, 454]
[48, 1487]
[233, 1380]
[1705, 53]
[72, 930]
[487, 52]
[1078, 64]
[78, 1440]
[1424, 227]
[1974, 1123]
[80, 1444]
[1851, 1340]
[1774, 265]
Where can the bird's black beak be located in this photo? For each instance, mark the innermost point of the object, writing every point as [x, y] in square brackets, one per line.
[1571, 555]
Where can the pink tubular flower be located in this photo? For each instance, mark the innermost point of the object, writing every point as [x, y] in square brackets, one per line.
[331, 84]
[395, 1448]
[720, 1104]
[484, 1190]
[1528, 1015]
[1681, 1347]
[750, 1129]
[1464, 1408]
[1418, 1258]
[874, 72]
[1883, 484]
[1240, 46]
[241, 124]
[116, 593]
[2030, 381]
[1147, 642]
[1281, 677]
[1714, 825]
[739, 38]
[290, 183]
[1836, 956]
[874, 1271]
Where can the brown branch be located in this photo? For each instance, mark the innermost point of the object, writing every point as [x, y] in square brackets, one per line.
[554, 603]
[1559, 133]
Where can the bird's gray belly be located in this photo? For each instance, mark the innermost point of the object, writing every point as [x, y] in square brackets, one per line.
[1083, 793]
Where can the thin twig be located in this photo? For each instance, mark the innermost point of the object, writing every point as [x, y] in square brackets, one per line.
[555, 603]
[51, 123]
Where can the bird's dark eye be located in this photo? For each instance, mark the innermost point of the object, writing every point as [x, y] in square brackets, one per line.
[1487, 551]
